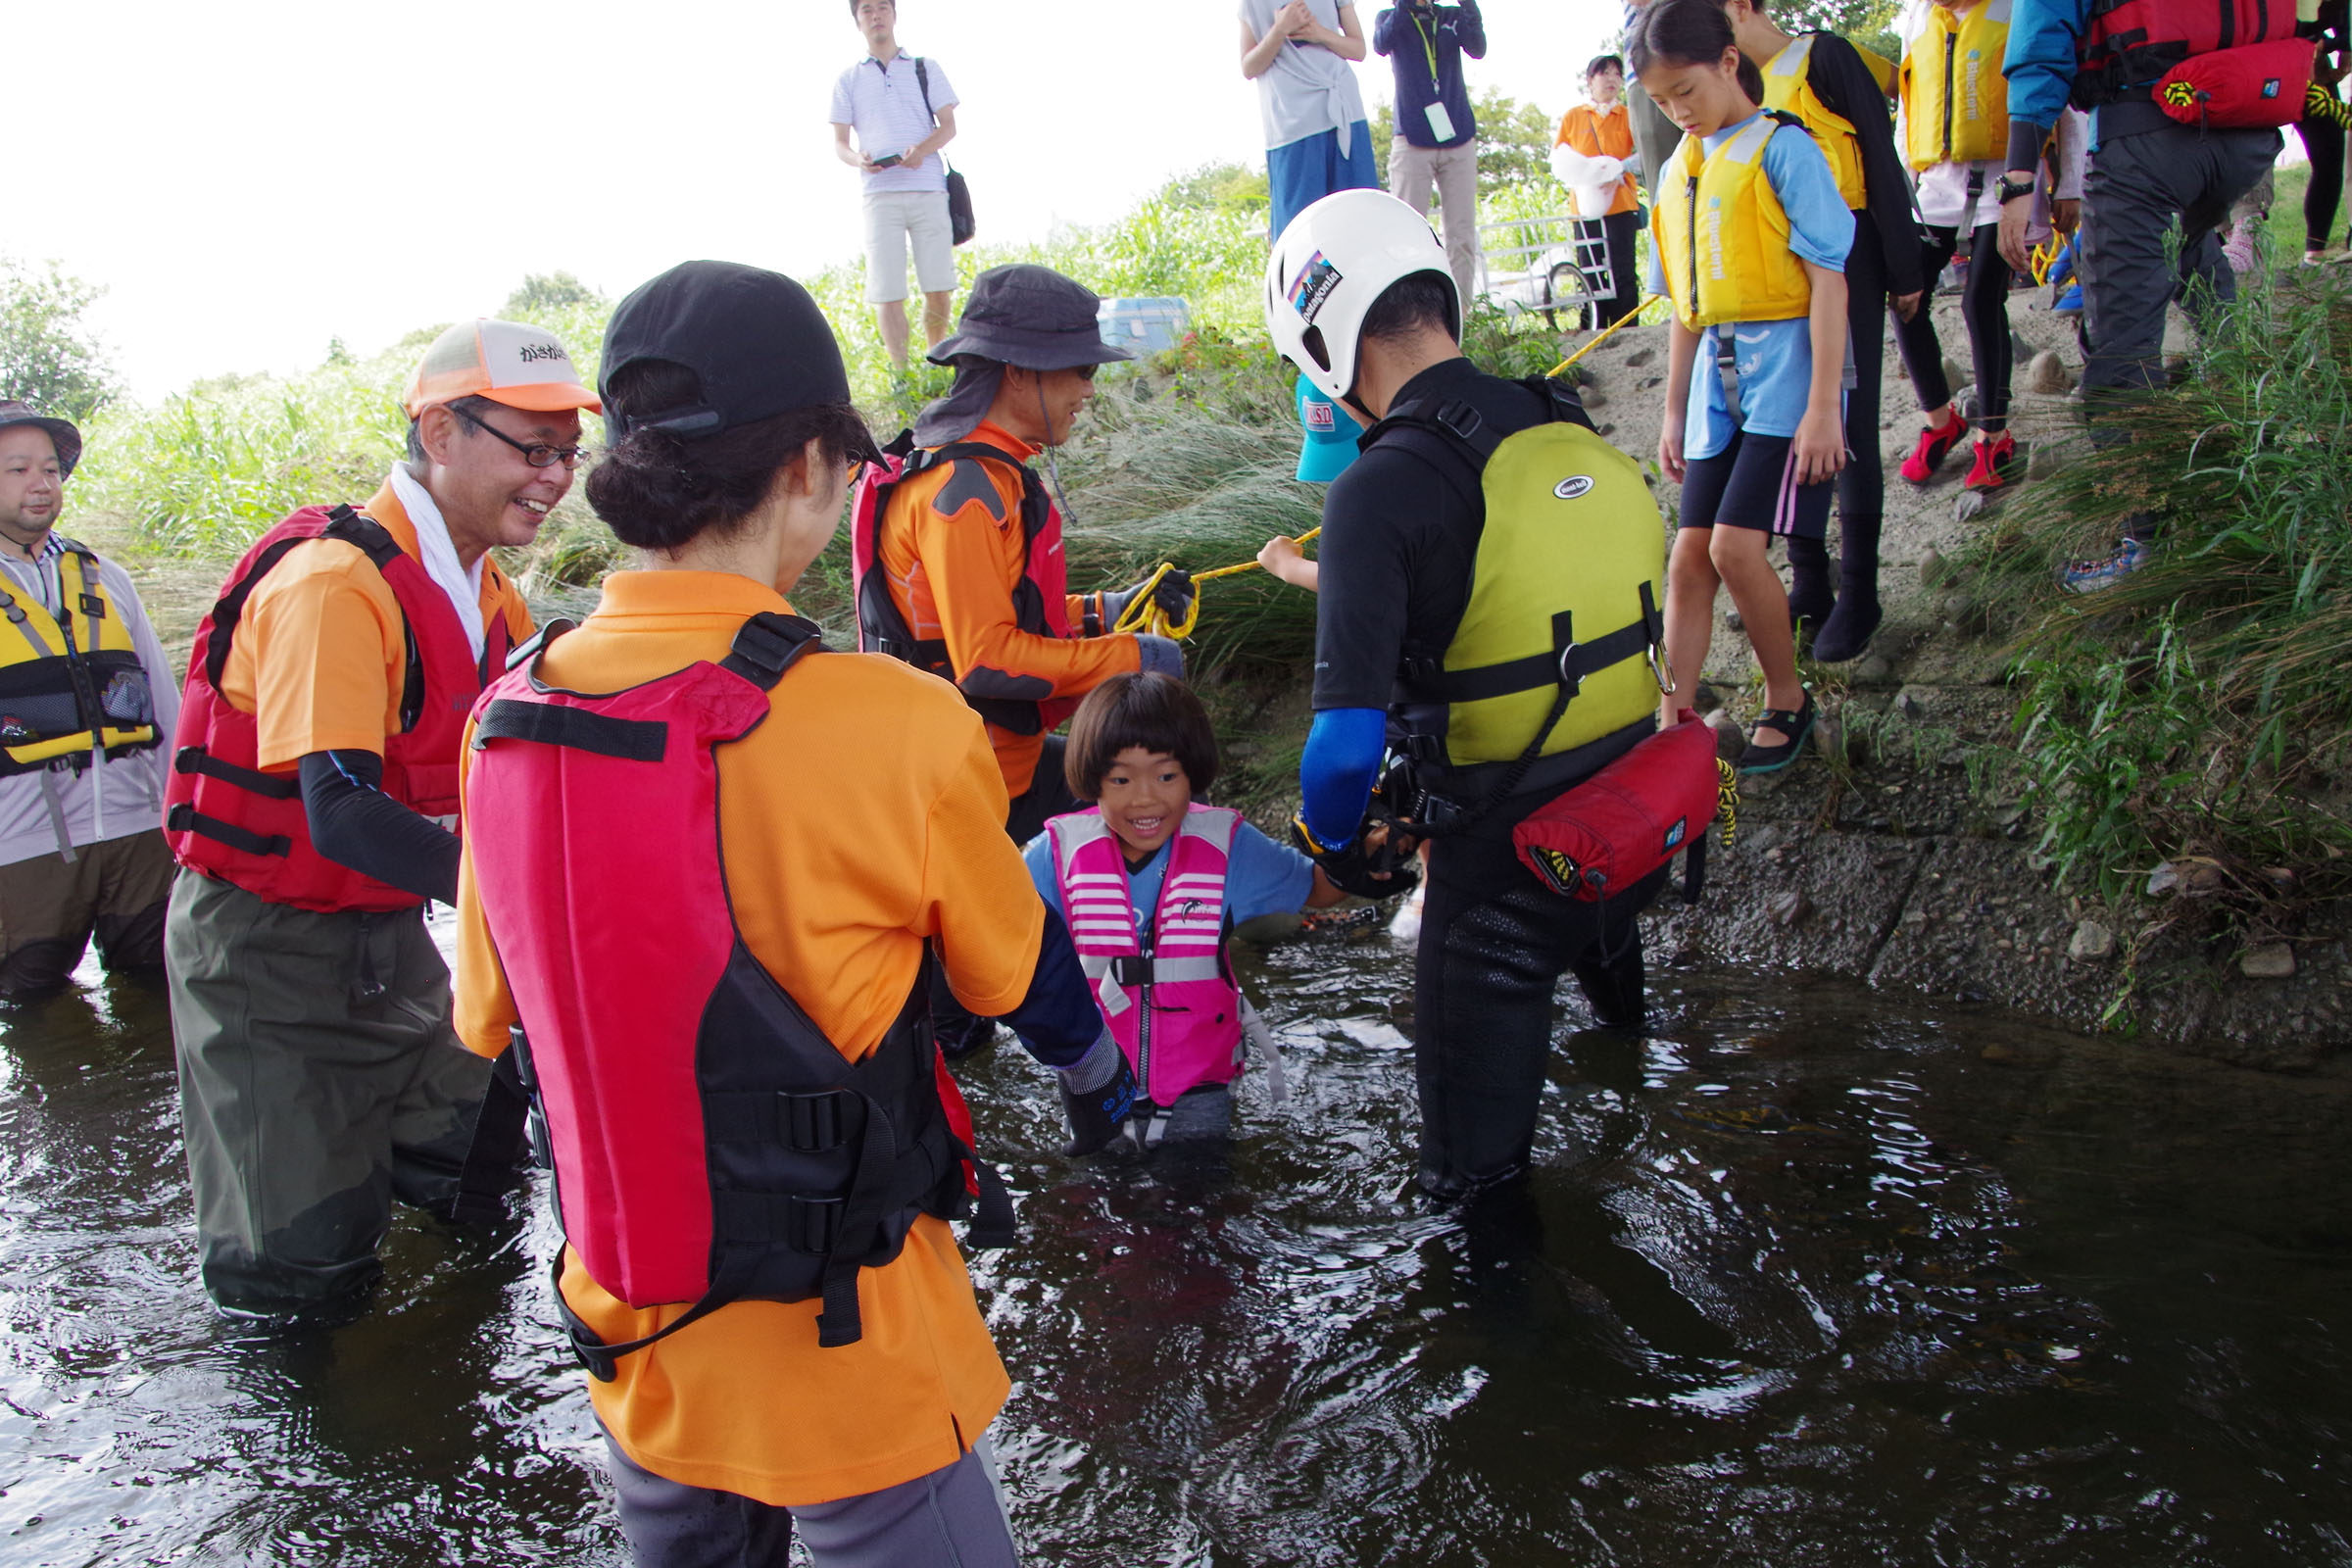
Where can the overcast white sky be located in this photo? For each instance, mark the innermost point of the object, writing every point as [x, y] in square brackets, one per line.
[251, 178]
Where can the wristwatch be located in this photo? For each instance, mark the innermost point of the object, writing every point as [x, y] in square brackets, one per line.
[2009, 190]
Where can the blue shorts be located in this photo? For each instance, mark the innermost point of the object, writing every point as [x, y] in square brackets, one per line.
[1753, 484]
[1301, 172]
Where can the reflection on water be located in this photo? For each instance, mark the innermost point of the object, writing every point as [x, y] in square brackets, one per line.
[1804, 1279]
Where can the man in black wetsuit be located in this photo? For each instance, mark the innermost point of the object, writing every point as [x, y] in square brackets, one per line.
[1569, 556]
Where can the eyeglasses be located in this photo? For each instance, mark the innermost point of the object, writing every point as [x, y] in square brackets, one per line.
[1086, 372]
[538, 454]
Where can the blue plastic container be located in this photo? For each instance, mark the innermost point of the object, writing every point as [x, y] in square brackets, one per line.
[1145, 326]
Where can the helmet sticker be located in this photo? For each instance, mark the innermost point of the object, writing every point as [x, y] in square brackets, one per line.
[1574, 486]
[1313, 285]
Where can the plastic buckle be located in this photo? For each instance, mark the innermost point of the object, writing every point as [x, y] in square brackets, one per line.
[811, 1124]
[93, 608]
[1131, 969]
[812, 1224]
[1424, 748]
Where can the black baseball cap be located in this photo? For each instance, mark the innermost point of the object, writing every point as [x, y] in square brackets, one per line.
[61, 432]
[756, 342]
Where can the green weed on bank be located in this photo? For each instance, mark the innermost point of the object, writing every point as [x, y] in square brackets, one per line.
[2200, 708]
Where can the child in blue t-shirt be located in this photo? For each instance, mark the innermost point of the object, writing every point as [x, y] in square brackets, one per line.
[1750, 224]
[1151, 885]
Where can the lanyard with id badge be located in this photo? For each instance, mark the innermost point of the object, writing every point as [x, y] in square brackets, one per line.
[1441, 124]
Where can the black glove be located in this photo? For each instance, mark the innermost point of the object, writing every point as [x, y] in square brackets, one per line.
[1172, 593]
[1382, 872]
[1098, 1117]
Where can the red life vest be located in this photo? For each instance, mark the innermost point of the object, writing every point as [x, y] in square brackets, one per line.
[2131, 45]
[225, 818]
[709, 1142]
[1040, 599]
[1167, 992]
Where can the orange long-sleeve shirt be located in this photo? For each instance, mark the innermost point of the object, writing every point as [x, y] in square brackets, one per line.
[953, 556]
[860, 819]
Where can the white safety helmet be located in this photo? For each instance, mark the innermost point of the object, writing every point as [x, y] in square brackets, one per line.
[1330, 264]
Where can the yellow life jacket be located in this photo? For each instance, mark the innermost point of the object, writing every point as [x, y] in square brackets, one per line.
[74, 685]
[1955, 99]
[1556, 644]
[1723, 235]
[1789, 87]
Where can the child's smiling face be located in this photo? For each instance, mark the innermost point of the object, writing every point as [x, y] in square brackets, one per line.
[1144, 795]
[1702, 98]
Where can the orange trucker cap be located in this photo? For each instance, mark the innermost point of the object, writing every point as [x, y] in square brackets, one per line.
[506, 362]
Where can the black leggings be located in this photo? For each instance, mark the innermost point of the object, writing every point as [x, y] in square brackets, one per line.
[1862, 482]
[1617, 231]
[2324, 143]
[1494, 945]
[1984, 306]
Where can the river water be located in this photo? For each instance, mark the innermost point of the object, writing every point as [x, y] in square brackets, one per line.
[1812, 1276]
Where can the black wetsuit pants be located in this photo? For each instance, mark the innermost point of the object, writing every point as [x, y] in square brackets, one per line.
[1984, 306]
[2324, 144]
[1862, 482]
[1617, 238]
[1494, 945]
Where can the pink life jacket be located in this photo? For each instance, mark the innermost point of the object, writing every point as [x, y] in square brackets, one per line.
[709, 1142]
[225, 818]
[1040, 599]
[1167, 992]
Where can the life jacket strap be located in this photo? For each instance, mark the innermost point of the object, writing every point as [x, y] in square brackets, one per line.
[183, 818]
[633, 739]
[271, 786]
[769, 644]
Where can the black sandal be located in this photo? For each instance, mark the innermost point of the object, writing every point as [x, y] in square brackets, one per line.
[1795, 723]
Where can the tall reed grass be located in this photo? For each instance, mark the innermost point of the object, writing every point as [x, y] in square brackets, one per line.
[2201, 707]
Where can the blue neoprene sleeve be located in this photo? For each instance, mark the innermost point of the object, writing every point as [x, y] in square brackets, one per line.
[1338, 770]
[1058, 1021]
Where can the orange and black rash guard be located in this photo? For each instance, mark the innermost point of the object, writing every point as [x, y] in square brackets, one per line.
[953, 556]
[860, 820]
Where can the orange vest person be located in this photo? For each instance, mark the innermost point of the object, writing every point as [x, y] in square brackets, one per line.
[753, 1156]
[961, 561]
[1604, 130]
[311, 803]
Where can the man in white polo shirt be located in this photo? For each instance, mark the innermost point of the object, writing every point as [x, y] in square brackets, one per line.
[904, 112]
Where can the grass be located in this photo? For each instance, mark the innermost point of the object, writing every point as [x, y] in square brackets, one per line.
[2200, 708]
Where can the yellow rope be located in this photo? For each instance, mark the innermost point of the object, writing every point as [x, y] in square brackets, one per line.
[1144, 614]
[1627, 320]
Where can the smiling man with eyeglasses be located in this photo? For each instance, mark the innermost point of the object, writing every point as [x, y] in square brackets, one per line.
[311, 803]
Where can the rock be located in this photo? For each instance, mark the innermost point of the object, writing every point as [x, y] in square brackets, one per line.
[2047, 374]
[1931, 567]
[1954, 372]
[2190, 876]
[1969, 504]
[1830, 740]
[2280, 877]
[1651, 382]
[1965, 400]
[1730, 738]
[1707, 698]
[2046, 458]
[1791, 908]
[1910, 707]
[1875, 671]
[1607, 429]
[1594, 398]
[1998, 1052]
[1732, 620]
[2090, 943]
[1956, 608]
[2268, 961]
[1640, 357]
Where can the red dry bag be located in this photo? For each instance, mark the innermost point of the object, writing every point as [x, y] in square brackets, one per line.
[1629, 818]
[2260, 86]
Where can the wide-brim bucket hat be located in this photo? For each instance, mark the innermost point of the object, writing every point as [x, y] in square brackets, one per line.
[1031, 316]
[63, 433]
